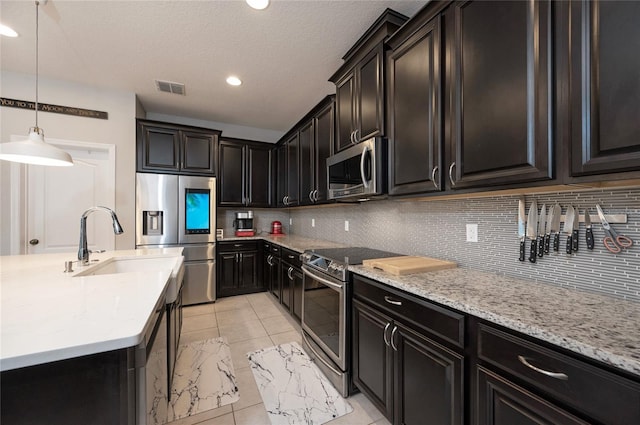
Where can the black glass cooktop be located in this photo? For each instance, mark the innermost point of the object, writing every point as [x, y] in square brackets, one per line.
[352, 256]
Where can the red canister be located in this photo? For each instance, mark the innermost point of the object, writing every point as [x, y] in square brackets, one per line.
[276, 228]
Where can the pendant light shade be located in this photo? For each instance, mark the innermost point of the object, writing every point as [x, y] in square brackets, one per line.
[34, 150]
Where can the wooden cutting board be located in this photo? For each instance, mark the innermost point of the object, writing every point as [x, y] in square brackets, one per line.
[404, 265]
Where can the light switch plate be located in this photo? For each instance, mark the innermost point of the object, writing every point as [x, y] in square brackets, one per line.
[313, 222]
[346, 225]
[472, 233]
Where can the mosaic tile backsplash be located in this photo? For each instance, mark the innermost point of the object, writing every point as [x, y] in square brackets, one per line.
[437, 228]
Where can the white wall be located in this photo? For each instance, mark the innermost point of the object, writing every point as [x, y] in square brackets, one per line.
[228, 130]
[119, 130]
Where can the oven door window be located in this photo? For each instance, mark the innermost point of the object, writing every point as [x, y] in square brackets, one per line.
[323, 316]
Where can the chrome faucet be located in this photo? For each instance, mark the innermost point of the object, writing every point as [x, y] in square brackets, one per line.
[83, 251]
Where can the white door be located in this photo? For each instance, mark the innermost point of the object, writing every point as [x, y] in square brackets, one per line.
[57, 197]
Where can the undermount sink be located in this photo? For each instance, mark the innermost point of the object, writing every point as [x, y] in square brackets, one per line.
[142, 263]
[129, 265]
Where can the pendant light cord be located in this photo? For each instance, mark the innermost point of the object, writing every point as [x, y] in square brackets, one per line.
[37, 32]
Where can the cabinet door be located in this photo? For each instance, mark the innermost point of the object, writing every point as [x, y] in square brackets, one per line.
[345, 111]
[231, 175]
[274, 270]
[198, 153]
[248, 272]
[415, 141]
[158, 148]
[500, 402]
[297, 293]
[293, 170]
[499, 86]
[281, 178]
[285, 284]
[370, 96]
[605, 87]
[325, 130]
[372, 357]
[307, 159]
[227, 280]
[258, 176]
[428, 380]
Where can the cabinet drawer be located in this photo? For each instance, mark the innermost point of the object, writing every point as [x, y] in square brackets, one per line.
[291, 257]
[275, 250]
[436, 320]
[602, 395]
[237, 246]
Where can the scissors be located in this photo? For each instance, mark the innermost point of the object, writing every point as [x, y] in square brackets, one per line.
[612, 241]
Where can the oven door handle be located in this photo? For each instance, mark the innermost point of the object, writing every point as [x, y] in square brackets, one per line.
[337, 372]
[306, 271]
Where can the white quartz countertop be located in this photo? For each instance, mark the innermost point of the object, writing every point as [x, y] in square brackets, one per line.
[596, 326]
[47, 315]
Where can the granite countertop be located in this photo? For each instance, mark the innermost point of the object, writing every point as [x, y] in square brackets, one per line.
[293, 242]
[596, 326]
[47, 315]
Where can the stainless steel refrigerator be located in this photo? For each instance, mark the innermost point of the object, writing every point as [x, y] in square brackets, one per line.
[176, 210]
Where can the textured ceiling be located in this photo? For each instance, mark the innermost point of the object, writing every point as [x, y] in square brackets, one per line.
[284, 54]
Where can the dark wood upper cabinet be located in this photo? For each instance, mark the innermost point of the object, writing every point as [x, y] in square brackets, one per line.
[605, 86]
[282, 173]
[307, 162]
[315, 132]
[288, 158]
[325, 130]
[245, 174]
[360, 93]
[345, 111]
[500, 75]
[175, 149]
[415, 129]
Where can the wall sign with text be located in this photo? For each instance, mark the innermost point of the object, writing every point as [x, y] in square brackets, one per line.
[57, 109]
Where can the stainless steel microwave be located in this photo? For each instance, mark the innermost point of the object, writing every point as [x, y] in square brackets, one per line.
[358, 172]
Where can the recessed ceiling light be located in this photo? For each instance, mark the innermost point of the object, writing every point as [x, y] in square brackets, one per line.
[234, 81]
[9, 32]
[258, 4]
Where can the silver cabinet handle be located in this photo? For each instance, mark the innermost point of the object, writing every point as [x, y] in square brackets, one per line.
[557, 375]
[269, 258]
[433, 177]
[237, 245]
[392, 301]
[315, 195]
[291, 256]
[351, 137]
[393, 332]
[384, 334]
[453, 164]
[355, 136]
[311, 196]
[289, 273]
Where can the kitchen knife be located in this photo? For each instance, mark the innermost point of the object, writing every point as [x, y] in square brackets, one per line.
[522, 233]
[589, 230]
[532, 228]
[555, 226]
[568, 228]
[541, 222]
[576, 235]
[547, 236]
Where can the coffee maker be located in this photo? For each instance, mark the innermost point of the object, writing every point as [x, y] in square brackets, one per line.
[244, 223]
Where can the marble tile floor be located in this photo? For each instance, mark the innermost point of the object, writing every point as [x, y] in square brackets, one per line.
[249, 323]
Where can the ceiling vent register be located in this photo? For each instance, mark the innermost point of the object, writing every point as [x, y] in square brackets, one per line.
[170, 87]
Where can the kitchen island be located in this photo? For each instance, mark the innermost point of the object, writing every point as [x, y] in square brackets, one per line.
[73, 344]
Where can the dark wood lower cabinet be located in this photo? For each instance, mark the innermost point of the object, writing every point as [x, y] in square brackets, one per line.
[501, 402]
[410, 378]
[238, 269]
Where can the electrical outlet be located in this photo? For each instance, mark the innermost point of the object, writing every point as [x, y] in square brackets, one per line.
[313, 222]
[290, 221]
[346, 225]
[472, 233]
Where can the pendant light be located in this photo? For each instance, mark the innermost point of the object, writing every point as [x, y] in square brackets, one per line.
[34, 150]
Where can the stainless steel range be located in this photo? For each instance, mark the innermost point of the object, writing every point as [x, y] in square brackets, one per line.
[326, 308]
